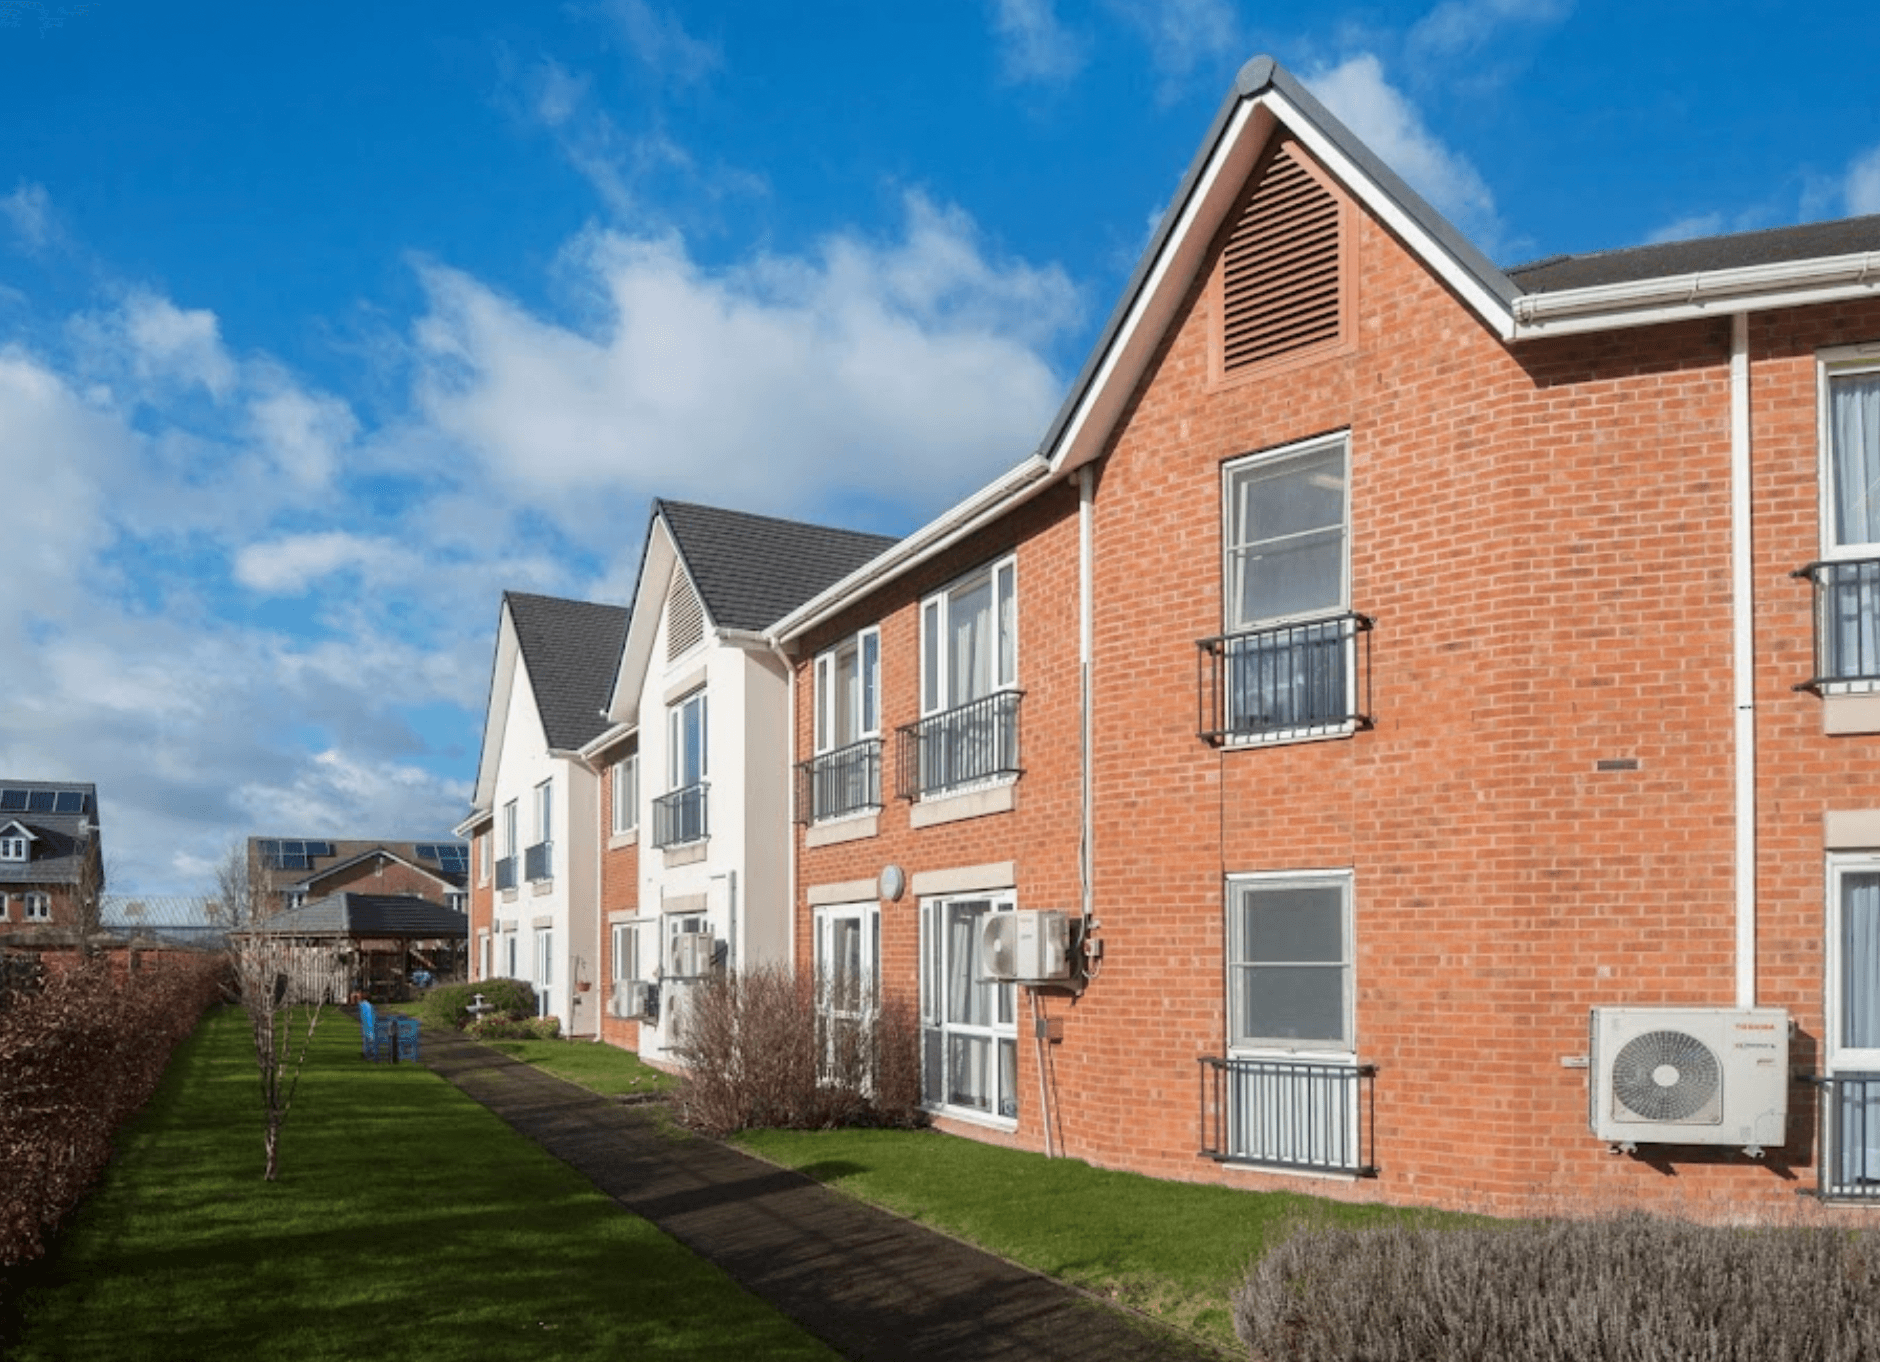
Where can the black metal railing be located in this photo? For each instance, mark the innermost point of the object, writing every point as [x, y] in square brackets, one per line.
[1294, 1114]
[506, 873]
[1847, 621]
[974, 742]
[538, 862]
[680, 817]
[1848, 1160]
[1307, 678]
[846, 780]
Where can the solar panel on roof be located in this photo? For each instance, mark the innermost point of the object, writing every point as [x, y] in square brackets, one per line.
[39, 801]
[70, 801]
[12, 799]
[319, 848]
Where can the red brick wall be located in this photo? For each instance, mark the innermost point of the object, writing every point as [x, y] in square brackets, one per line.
[620, 893]
[63, 914]
[482, 902]
[379, 875]
[1542, 536]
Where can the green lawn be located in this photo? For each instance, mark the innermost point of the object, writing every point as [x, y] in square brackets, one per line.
[408, 1223]
[1175, 1250]
[604, 1069]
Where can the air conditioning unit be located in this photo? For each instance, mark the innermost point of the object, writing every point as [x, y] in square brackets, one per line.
[1690, 1075]
[1032, 946]
[636, 998]
[691, 955]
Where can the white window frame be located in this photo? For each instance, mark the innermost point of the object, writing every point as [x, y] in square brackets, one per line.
[1842, 1058]
[510, 831]
[6, 904]
[625, 950]
[936, 965]
[1001, 576]
[1846, 361]
[485, 955]
[483, 856]
[509, 954]
[543, 804]
[861, 708]
[1237, 957]
[38, 907]
[625, 777]
[544, 978]
[676, 740]
[16, 848]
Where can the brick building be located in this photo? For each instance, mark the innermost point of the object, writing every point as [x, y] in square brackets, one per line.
[51, 861]
[1386, 660]
[298, 870]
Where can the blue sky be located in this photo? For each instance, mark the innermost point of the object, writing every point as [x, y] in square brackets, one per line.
[322, 325]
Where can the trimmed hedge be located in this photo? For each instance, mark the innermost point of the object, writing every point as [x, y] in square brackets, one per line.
[77, 1059]
[445, 1004]
[1631, 1288]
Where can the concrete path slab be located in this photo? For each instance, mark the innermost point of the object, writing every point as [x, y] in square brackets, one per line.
[868, 1283]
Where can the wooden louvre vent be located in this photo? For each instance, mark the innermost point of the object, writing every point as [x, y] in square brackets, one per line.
[1280, 272]
[685, 615]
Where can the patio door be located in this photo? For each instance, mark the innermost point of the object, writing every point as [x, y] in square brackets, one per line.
[848, 962]
[1854, 1021]
[544, 968]
[969, 1028]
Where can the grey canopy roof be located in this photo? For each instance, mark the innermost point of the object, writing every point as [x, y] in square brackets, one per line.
[60, 841]
[1810, 241]
[752, 570]
[570, 649]
[361, 915]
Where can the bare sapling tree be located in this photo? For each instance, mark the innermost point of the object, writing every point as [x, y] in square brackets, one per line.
[280, 984]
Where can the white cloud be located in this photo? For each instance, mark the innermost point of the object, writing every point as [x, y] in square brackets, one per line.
[28, 209]
[304, 434]
[295, 563]
[1385, 121]
[1033, 45]
[357, 795]
[1863, 183]
[1184, 35]
[661, 43]
[1458, 27]
[167, 343]
[1686, 228]
[905, 371]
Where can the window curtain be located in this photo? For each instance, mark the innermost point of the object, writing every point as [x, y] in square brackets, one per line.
[1856, 419]
[1860, 961]
[970, 619]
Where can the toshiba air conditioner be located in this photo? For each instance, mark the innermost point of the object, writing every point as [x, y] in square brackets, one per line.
[1690, 1075]
[636, 998]
[1030, 946]
[690, 956]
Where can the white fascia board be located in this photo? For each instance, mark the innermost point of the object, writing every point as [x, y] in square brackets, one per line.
[938, 535]
[1446, 267]
[1648, 302]
[609, 737]
[477, 819]
[649, 607]
[496, 721]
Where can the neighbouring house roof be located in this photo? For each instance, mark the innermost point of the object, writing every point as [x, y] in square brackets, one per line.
[61, 819]
[395, 851]
[1775, 245]
[570, 649]
[369, 915]
[752, 570]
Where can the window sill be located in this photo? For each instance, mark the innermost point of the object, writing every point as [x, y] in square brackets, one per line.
[509, 895]
[850, 827]
[686, 853]
[540, 887]
[1291, 737]
[629, 838]
[973, 1117]
[1268, 1170]
[957, 805]
[1846, 711]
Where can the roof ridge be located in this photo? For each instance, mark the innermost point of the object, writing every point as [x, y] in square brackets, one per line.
[664, 503]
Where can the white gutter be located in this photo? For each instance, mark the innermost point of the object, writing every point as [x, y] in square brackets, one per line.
[1647, 302]
[1743, 663]
[989, 502]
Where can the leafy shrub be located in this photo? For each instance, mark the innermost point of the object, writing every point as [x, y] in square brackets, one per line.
[500, 1026]
[445, 1004]
[1625, 1289]
[760, 1052]
[77, 1058]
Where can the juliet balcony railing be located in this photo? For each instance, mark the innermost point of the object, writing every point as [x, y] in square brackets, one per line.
[1294, 679]
[1848, 1158]
[846, 780]
[681, 817]
[1296, 1114]
[538, 862]
[506, 873]
[1847, 622]
[974, 742]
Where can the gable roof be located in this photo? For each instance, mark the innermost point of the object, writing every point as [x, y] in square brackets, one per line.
[453, 879]
[61, 843]
[356, 915]
[570, 649]
[751, 570]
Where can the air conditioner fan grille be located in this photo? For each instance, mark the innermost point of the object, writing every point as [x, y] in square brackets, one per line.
[1665, 1076]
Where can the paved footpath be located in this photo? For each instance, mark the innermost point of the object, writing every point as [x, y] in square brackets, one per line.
[868, 1283]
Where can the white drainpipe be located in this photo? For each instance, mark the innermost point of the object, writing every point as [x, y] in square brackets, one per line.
[1743, 609]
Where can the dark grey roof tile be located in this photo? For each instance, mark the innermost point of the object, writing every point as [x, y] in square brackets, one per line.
[571, 649]
[752, 570]
[1665, 259]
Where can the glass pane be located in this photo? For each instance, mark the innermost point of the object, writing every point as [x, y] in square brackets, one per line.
[1289, 1003]
[1860, 960]
[871, 683]
[969, 1072]
[847, 692]
[1008, 627]
[1008, 1078]
[1287, 496]
[930, 698]
[1855, 417]
[1297, 922]
[969, 643]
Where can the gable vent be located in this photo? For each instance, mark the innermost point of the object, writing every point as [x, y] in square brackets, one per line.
[685, 615]
[1280, 271]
